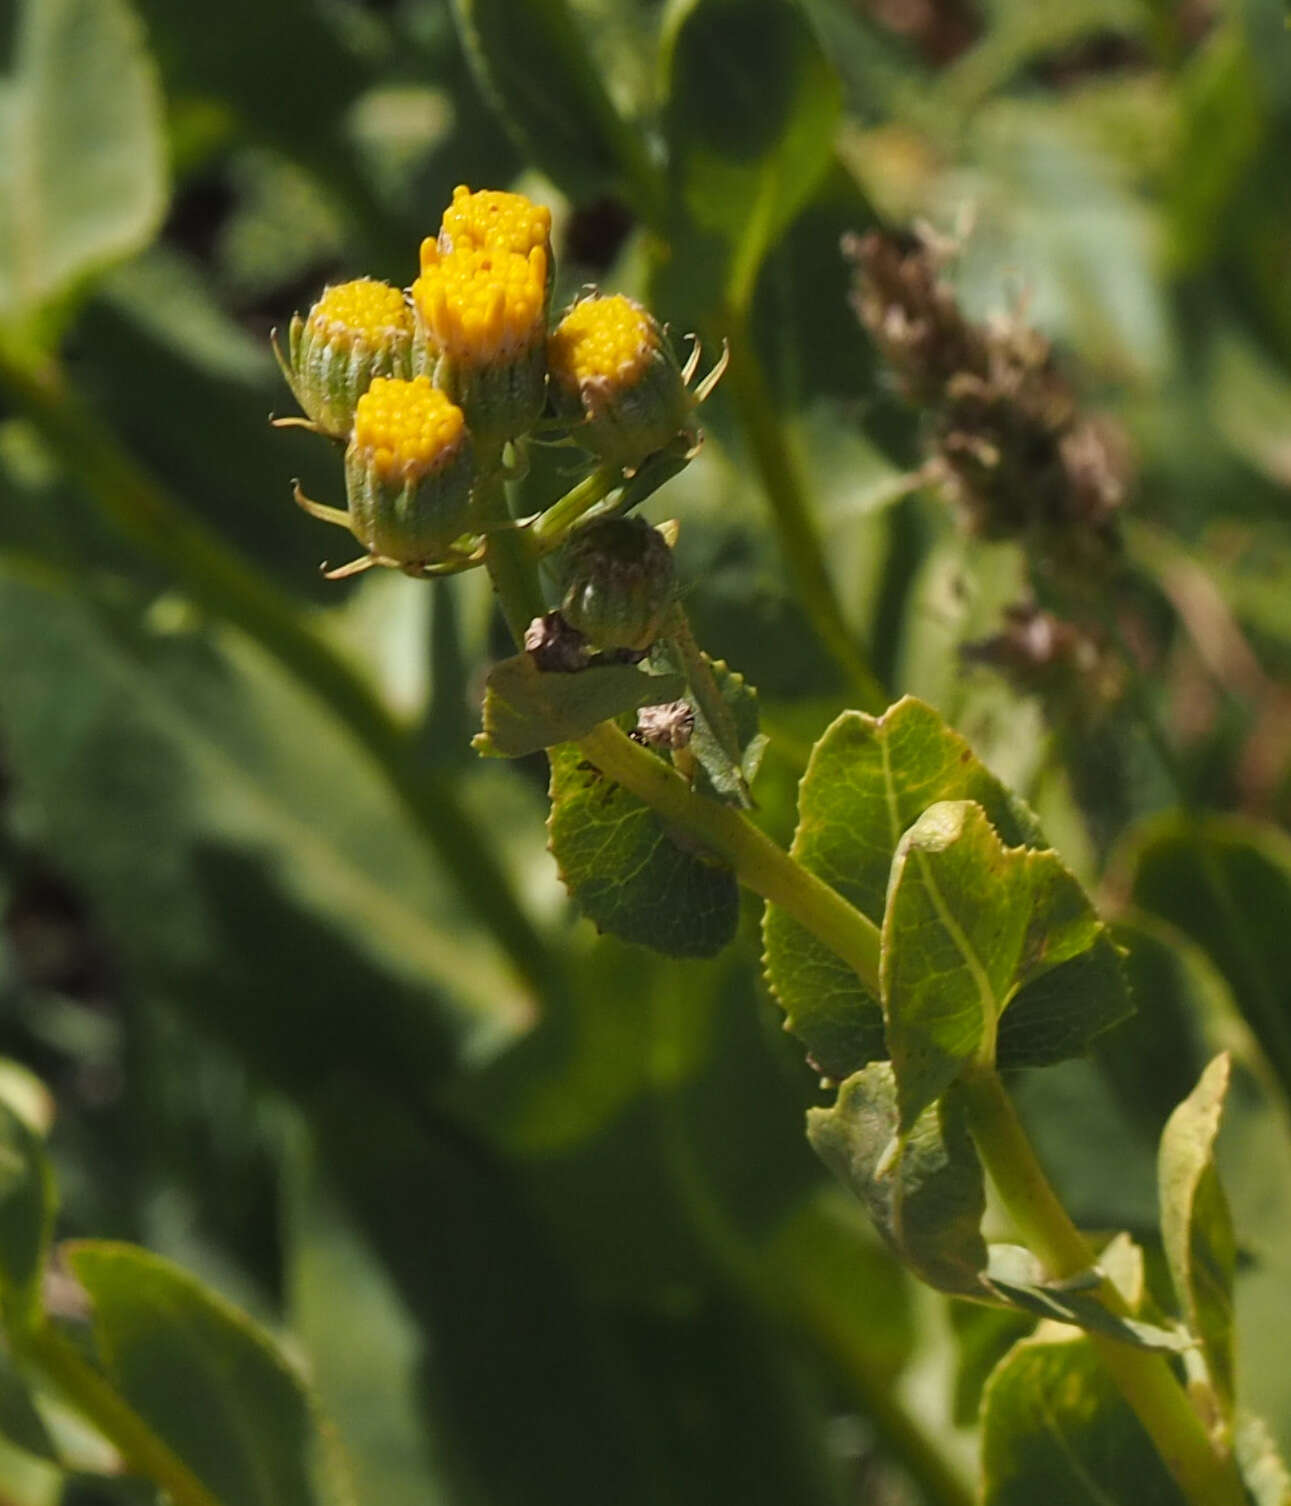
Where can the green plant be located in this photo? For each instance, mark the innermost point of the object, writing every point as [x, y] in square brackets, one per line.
[540, 1212]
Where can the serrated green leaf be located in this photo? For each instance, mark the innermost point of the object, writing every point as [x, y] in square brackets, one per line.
[751, 109]
[527, 709]
[1226, 884]
[27, 1205]
[202, 1375]
[719, 774]
[868, 779]
[81, 142]
[969, 923]
[628, 875]
[926, 1193]
[1056, 1429]
[1196, 1226]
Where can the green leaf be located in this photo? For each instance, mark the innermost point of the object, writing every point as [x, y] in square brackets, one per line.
[924, 1191]
[627, 873]
[1017, 1277]
[969, 923]
[20, 1423]
[534, 63]
[1054, 1428]
[1196, 1226]
[1226, 884]
[365, 1353]
[868, 779]
[81, 142]
[202, 1375]
[750, 117]
[983, 1336]
[719, 774]
[527, 709]
[175, 774]
[27, 1206]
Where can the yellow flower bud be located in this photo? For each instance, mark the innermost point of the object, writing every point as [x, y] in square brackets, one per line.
[481, 324]
[409, 468]
[355, 332]
[614, 374]
[492, 220]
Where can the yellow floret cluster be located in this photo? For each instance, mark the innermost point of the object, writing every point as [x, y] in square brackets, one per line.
[482, 305]
[364, 307]
[602, 340]
[405, 429]
[492, 220]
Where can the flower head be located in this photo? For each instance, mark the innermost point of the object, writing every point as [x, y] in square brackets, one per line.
[355, 332]
[491, 220]
[409, 469]
[481, 306]
[481, 322]
[614, 373]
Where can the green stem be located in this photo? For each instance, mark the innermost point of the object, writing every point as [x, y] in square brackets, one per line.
[507, 555]
[230, 588]
[758, 863]
[799, 540]
[548, 531]
[143, 1452]
[1205, 1476]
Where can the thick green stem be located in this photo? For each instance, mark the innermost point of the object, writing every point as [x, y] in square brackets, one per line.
[795, 526]
[48, 1353]
[1204, 1475]
[507, 556]
[232, 589]
[758, 863]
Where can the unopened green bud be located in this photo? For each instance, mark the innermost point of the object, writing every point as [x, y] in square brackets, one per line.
[409, 468]
[620, 583]
[355, 332]
[614, 374]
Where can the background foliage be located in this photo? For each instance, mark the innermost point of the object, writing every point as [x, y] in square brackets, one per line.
[531, 1209]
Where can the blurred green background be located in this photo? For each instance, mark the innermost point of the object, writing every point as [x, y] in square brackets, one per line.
[533, 1208]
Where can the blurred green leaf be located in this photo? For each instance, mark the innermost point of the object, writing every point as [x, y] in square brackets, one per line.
[527, 709]
[534, 62]
[244, 858]
[20, 1422]
[925, 1190]
[365, 1354]
[751, 109]
[1226, 884]
[81, 139]
[1196, 1225]
[627, 874]
[202, 1375]
[869, 778]
[27, 1204]
[969, 924]
[1056, 1429]
[983, 1336]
